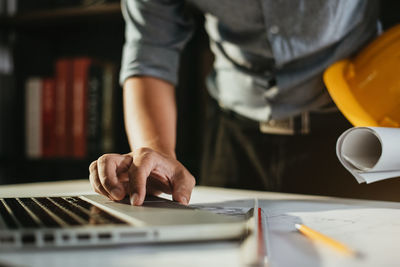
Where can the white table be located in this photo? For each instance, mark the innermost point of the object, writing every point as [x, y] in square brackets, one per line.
[363, 225]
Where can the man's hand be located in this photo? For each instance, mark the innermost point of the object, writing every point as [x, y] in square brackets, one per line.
[143, 172]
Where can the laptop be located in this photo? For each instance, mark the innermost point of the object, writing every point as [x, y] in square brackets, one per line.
[94, 220]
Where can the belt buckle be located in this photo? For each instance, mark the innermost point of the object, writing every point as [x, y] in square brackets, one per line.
[288, 126]
[285, 126]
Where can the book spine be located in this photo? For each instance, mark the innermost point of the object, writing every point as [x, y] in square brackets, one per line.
[79, 106]
[12, 7]
[33, 97]
[3, 8]
[109, 80]
[48, 117]
[3, 97]
[94, 110]
[3, 111]
[63, 107]
[10, 139]
[10, 143]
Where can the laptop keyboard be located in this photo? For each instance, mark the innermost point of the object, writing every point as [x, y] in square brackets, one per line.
[52, 212]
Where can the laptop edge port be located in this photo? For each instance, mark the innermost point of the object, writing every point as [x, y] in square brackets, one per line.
[48, 238]
[104, 236]
[83, 236]
[28, 239]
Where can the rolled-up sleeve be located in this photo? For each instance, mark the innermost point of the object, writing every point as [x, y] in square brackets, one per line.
[155, 33]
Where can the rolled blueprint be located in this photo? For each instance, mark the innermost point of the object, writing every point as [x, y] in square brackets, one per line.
[371, 154]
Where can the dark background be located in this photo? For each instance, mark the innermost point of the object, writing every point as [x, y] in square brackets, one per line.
[41, 33]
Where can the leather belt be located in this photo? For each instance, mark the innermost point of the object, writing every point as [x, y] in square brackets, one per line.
[289, 126]
[299, 124]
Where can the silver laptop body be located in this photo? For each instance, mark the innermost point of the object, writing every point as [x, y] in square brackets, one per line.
[93, 220]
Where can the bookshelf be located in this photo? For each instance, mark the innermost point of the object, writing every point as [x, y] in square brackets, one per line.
[39, 37]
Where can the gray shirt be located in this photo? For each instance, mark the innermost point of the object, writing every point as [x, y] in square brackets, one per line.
[269, 54]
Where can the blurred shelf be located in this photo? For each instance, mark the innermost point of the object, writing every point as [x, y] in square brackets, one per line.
[40, 36]
[21, 170]
[67, 14]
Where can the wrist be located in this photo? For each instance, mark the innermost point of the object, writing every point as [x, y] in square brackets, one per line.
[162, 150]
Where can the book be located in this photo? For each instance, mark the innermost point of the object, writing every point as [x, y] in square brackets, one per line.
[63, 123]
[3, 111]
[93, 107]
[49, 147]
[11, 6]
[3, 8]
[108, 108]
[76, 110]
[10, 144]
[95, 97]
[33, 117]
[79, 106]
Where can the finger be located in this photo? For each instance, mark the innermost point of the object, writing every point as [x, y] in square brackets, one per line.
[138, 184]
[122, 172]
[155, 186]
[140, 171]
[95, 181]
[123, 168]
[107, 172]
[98, 188]
[182, 185]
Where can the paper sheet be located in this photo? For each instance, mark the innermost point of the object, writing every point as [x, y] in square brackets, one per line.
[371, 154]
[372, 231]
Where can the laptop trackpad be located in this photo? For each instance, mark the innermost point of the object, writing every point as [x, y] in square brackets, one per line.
[158, 202]
[159, 211]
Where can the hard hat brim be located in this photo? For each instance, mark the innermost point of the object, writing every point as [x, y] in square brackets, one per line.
[340, 92]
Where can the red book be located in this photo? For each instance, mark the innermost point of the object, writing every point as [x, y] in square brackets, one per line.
[63, 121]
[79, 106]
[48, 117]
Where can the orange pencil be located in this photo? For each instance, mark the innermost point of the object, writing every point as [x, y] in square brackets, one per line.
[314, 235]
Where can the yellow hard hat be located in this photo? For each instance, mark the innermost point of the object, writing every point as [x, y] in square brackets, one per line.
[366, 88]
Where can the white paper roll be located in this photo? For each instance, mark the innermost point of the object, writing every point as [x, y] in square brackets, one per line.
[370, 153]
